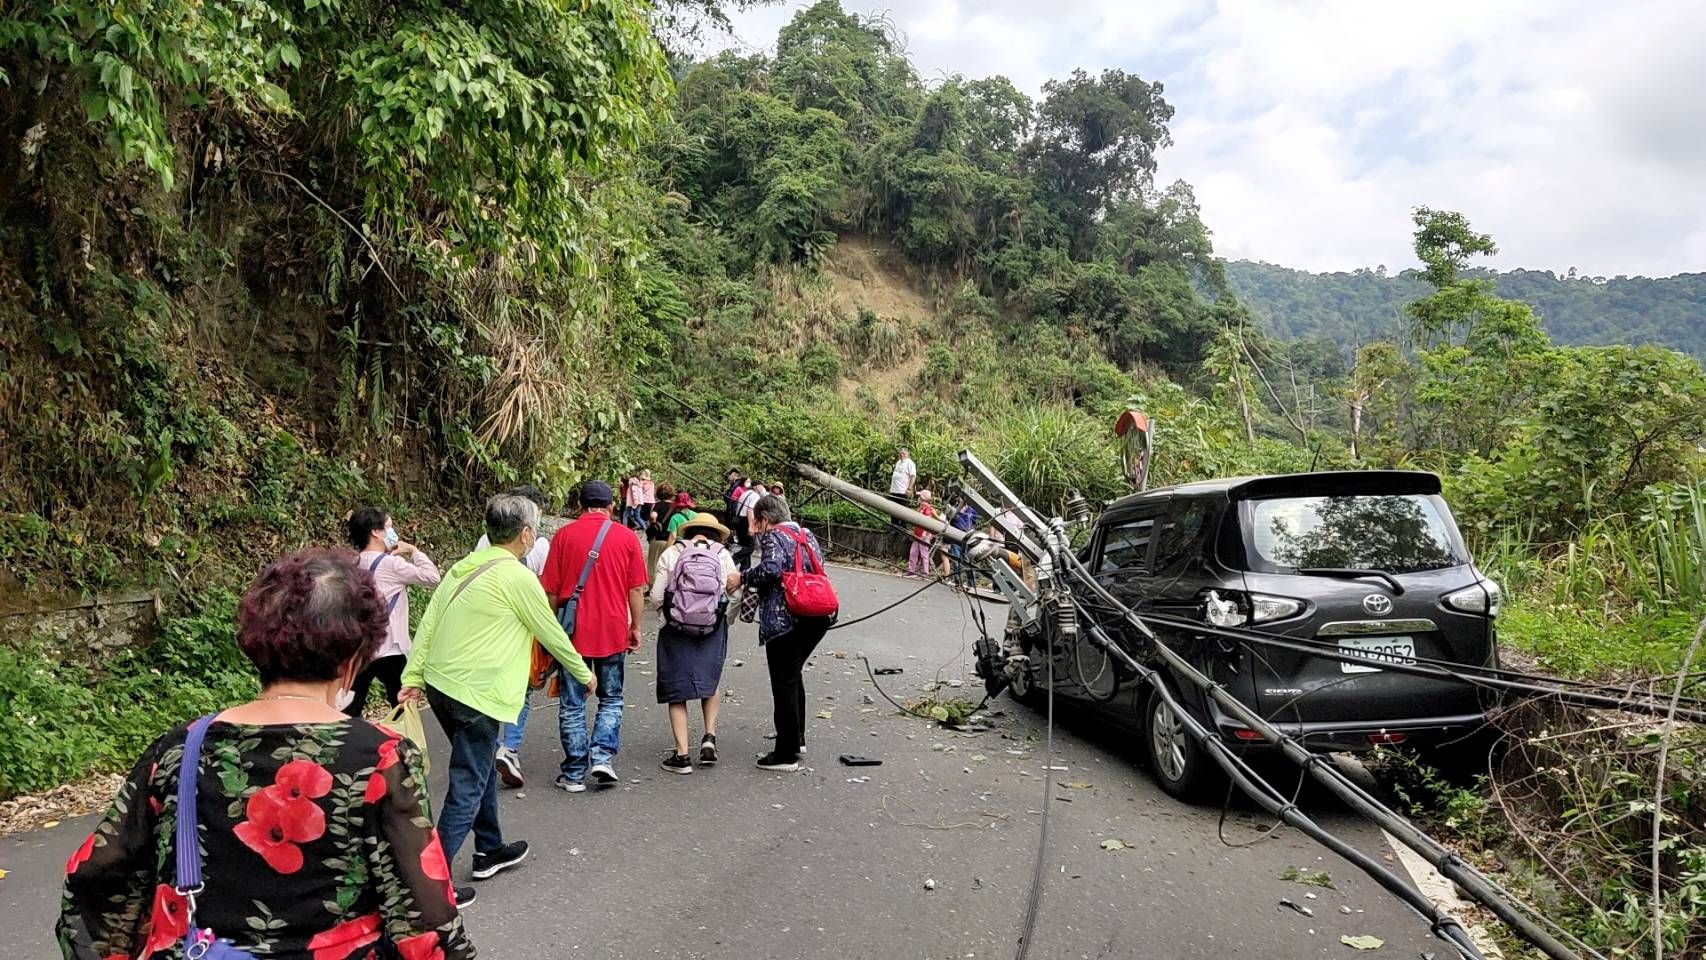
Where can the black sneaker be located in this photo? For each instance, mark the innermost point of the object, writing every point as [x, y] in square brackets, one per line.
[781, 764]
[464, 897]
[678, 763]
[708, 749]
[487, 865]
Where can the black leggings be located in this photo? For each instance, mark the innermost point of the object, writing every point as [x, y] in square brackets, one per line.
[388, 671]
[787, 655]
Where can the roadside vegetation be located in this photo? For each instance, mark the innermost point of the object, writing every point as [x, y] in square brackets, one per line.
[261, 262]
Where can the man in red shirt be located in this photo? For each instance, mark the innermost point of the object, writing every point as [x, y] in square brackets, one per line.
[607, 627]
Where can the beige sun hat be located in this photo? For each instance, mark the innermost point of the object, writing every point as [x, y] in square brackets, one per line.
[706, 523]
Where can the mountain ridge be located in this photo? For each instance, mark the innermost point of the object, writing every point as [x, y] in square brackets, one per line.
[1356, 307]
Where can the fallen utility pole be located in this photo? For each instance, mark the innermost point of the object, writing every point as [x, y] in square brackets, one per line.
[1053, 608]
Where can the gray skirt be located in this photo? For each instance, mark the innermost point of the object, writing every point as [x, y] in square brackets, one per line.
[689, 667]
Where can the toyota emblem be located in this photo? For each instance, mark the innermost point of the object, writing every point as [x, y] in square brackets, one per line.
[1377, 604]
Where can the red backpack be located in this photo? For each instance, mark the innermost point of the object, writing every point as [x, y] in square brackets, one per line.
[806, 589]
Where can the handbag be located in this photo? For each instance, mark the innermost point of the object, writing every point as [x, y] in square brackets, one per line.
[807, 592]
[566, 612]
[199, 944]
[406, 719]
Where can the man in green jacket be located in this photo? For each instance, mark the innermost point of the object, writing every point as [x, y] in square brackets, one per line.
[469, 663]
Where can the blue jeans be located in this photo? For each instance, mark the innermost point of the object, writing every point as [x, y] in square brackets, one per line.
[513, 731]
[471, 802]
[578, 753]
[963, 574]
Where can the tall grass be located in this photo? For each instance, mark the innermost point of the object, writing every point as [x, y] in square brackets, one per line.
[1645, 563]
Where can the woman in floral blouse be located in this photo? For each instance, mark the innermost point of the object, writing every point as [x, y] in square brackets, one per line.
[315, 837]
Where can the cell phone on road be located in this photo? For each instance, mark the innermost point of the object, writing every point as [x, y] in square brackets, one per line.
[849, 760]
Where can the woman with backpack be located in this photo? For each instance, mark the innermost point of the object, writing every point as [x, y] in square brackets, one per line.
[690, 585]
[796, 606]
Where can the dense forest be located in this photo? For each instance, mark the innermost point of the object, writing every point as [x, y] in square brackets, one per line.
[1352, 309]
[262, 261]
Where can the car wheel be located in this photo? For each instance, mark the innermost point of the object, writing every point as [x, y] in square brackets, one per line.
[1180, 765]
[1025, 687]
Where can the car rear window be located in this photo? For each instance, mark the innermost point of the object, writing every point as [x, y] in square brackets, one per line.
[1394, 533]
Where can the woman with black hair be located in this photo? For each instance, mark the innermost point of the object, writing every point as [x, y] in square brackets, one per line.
[395, 565]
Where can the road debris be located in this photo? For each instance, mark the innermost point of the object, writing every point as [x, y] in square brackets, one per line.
[1312, 878]
[1294, 905]
[1363, 942]
[1115, 844]
[929, 884]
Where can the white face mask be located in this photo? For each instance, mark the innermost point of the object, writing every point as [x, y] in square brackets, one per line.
[391, 537]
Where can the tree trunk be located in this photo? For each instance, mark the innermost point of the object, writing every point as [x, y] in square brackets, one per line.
[1356, 427]
[1244, 403]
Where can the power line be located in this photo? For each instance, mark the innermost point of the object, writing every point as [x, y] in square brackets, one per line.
[1482, 888]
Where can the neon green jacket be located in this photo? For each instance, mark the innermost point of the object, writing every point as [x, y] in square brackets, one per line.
[477, 650]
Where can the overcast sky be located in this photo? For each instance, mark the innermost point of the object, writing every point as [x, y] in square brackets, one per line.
[1573, 132]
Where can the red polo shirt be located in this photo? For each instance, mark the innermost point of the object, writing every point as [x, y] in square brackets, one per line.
[601, 620]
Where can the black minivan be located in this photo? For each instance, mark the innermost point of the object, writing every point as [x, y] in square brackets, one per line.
[1369, 561]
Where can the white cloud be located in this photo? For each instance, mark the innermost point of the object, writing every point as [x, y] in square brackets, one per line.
[1569, 130]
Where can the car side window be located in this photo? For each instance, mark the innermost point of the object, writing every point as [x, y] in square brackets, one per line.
[1126, 547]
[1181, 536]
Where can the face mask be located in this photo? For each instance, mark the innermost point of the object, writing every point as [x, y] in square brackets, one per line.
[391, 537]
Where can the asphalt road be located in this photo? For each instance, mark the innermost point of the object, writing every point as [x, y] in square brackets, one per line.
[737, 862]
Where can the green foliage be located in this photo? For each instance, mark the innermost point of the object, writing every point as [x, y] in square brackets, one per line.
[1577, 639]
[487, 114]
[1048, 208]
[416, 228]
[1045, 452]
[1364, 305]
[70, 717]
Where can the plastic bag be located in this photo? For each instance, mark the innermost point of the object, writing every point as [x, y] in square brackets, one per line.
[406, 719]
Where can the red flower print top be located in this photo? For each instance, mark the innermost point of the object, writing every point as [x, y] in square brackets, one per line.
[315, 845]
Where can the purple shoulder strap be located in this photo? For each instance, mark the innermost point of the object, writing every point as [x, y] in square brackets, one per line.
[186, 841]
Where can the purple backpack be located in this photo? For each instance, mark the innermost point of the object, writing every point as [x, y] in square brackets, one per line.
[694, 595]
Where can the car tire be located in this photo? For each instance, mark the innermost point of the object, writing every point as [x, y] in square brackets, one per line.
[1180, 765]
[1027, 688]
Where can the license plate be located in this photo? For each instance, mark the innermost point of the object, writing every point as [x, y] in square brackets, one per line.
[1376, 649]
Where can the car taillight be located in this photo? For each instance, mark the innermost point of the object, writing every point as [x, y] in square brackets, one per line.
[1483, 597]
[1387, 739]
[1242, 734]
[1264, 608]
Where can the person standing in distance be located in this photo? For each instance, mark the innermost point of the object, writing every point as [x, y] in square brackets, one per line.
[607, 629]
[394, 565]
[902, 478]
[469, 664]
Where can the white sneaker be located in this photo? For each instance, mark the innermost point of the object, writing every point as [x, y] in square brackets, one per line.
[604, 773]
[572, 786]
[509, 768]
